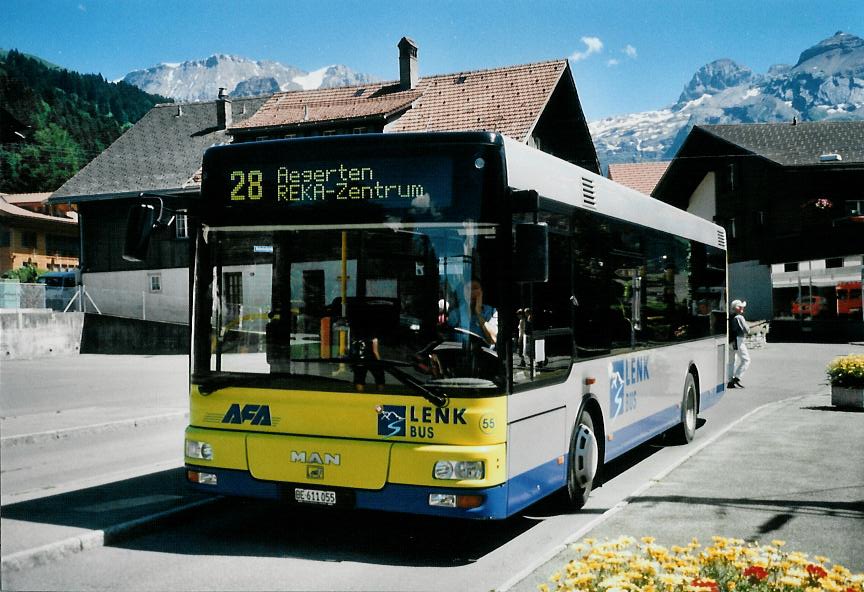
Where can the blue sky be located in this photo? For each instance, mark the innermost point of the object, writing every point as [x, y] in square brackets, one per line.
[626, 56]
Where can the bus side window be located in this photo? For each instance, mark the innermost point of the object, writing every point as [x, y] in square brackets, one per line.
[543, 334]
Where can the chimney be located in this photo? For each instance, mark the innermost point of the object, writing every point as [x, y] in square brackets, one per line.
[223, 110]
[407, 64]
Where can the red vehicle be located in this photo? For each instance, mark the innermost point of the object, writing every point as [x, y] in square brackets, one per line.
[849, 298]
[811, 306]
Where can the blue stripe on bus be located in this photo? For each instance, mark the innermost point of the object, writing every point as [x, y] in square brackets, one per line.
[710, 397]
[643, 430]
[392, 497]
[530, 486]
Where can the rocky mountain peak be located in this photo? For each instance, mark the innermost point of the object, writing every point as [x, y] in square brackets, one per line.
[840, 43]
[715, 77]
[827, 83]
[200, 80]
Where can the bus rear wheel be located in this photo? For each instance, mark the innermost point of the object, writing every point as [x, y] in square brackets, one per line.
[583, 461]
[686, 430]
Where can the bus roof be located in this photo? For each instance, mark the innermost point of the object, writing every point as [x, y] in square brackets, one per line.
[529, 168]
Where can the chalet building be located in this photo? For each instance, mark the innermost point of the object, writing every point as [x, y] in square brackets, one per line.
[536, 104]
[34, 234]
[789, 196]
[159, 155]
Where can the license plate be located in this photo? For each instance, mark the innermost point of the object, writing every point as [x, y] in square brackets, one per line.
[315, 496]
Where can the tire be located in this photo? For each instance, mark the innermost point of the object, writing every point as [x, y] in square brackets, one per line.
[686, 430]
[583, 461]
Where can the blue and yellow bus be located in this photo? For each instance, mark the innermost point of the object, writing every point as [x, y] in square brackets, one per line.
[452, 324]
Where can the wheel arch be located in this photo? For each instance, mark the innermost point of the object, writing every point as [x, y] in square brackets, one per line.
[694, 370]
[591, 405]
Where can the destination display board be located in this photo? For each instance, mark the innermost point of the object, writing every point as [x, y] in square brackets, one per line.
[390, 182]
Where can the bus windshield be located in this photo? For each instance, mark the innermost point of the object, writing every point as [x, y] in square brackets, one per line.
[379, 307]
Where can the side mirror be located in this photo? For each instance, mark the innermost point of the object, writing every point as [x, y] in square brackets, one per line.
[139, 227]
[531, 256]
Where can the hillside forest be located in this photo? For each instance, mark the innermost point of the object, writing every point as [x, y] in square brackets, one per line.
[53, 121]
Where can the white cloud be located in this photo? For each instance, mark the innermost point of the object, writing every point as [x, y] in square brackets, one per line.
[592, 45]
[629, 51]
[612, 62]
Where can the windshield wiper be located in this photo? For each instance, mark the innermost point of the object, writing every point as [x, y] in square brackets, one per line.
[437, 399]
[393, 369]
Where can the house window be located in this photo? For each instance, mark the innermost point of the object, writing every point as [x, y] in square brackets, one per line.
[5, 236]
[834, 262]
[64, 246]
[181, 224]
[154, 282]
[790, 267]
[731, 229]
[330, 132]
[855, 207]
[359, 130]
[289, 136]
[28, 239]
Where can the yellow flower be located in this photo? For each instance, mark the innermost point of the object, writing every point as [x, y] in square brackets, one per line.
[648, 539]
[543, 588]
[778, 543]
[790, 581]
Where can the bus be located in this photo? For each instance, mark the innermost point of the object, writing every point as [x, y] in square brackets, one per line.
[447, 324]
[848, 299]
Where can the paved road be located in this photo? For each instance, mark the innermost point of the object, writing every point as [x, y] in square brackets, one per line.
[775, 474]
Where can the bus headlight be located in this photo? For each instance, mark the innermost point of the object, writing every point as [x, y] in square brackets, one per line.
[202, 450]
[459, 469]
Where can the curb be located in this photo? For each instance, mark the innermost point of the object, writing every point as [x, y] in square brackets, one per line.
[40, 437]
[94, 539]
[579, 534]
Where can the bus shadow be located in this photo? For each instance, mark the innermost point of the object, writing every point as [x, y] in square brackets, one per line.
[252, 528]
[241, 527]
[100, 507]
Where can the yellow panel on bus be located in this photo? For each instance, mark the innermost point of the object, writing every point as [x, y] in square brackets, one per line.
[415, 464]
[318, 461]
[368, 416]
[229, 448]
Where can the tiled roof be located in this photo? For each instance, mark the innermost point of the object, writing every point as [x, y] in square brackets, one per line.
[337, 104]
[797, 145]
[162, 152]
[25, 198]
[641, 176]
[507, 100]
[8, 210]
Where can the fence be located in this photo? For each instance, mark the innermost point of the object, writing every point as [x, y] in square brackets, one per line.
[14, 294]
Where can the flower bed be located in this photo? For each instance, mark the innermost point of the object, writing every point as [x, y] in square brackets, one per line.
[728, 565]
[847, 371]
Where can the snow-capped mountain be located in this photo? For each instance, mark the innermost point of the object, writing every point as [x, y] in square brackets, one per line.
[827, 82]
[200, 80]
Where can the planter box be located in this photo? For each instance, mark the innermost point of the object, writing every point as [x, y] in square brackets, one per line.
[847, 397]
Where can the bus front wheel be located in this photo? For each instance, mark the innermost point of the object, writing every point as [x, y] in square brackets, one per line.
[583, 461]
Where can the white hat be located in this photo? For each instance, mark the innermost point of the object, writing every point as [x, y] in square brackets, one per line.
[738, 304]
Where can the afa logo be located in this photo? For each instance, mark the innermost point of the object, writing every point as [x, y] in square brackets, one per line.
[391, 420]
[255, 414]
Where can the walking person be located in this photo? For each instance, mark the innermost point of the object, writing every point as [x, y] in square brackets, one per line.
[739, 357]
